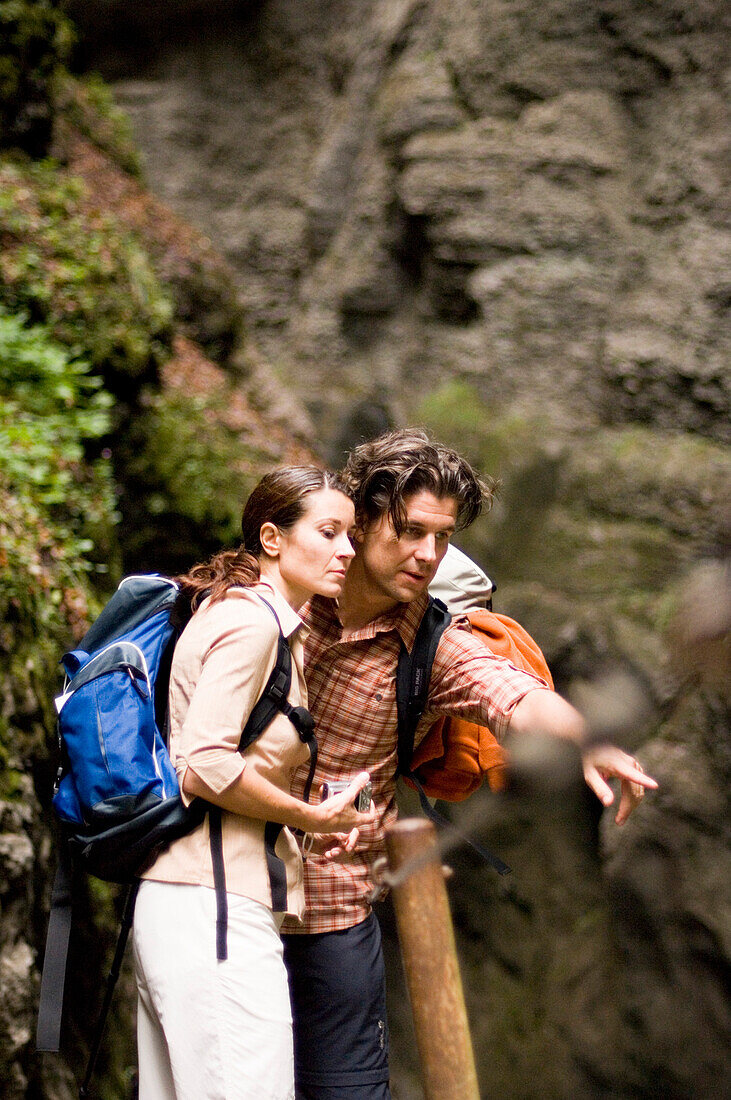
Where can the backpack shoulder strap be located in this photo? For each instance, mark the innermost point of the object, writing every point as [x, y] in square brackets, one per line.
[274, 699]
[413, 675]
[274, 694]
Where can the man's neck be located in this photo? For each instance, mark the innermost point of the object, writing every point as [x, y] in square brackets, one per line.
[359, 603]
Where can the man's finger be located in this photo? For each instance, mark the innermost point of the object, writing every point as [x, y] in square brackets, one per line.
[632, 795]
[598, 785]
[636, 775]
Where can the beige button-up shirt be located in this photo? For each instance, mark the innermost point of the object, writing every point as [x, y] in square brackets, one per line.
[220, 667]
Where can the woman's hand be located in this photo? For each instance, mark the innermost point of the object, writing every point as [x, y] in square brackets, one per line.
[602, 762]
[333, 845]
[253, 795]
[338, 813]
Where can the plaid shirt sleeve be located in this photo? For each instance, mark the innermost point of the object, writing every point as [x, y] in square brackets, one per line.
[470, 682]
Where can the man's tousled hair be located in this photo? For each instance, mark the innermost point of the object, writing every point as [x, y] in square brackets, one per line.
[382, 474]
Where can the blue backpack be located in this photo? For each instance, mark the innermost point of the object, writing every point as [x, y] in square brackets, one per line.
[117, 800]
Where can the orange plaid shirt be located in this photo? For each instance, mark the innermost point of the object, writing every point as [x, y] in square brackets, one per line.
[351, 689]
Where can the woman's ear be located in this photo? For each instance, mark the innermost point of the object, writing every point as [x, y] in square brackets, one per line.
[358, 534]
[270, 539]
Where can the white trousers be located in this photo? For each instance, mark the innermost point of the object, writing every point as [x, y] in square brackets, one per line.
[210, 1030]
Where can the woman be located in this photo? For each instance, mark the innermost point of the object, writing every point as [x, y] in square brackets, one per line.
[222, 1029]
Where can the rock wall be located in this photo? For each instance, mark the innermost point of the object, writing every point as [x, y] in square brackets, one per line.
[528, 197]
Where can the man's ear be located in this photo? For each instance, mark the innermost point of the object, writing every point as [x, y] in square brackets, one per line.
[270, 539]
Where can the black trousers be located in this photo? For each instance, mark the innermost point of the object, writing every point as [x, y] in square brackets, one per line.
[337, 986]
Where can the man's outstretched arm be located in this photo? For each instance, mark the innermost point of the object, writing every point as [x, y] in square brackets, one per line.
[545, 712]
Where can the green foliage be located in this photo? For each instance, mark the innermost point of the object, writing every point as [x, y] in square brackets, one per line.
[79, 271]
[35, 37]
[193, 463]
[57, 517]
[83, 316]
[51, 404]
[55, 505]
[188, 476]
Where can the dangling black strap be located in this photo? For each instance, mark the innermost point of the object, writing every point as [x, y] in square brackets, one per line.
[124, 931]
[50, 1008]
[304, 723]
[219, 882]
[273, 701]
[439, 819]
[276, 867]
[48, 1032]
[311, 773]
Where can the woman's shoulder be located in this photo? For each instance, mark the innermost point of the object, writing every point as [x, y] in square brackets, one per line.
[240, 609]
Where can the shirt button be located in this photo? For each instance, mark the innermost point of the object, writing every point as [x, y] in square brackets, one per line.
[378, 696]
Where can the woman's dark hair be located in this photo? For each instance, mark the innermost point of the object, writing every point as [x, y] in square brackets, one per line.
[279, 498]
[382, 474]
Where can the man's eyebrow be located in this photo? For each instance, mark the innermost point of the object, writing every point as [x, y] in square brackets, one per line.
[416, 525]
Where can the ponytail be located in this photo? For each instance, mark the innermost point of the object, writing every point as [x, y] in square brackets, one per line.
[228, 569]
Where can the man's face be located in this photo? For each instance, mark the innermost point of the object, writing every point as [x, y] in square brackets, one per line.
[402, 567]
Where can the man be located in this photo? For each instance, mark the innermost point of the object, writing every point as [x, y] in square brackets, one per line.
[411, 495]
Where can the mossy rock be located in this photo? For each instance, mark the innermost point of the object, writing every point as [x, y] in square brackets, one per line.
[679, 481]
[591, 539]
[87, 102]
[641, 502]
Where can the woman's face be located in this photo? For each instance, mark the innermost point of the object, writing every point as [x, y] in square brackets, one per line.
[315, 553]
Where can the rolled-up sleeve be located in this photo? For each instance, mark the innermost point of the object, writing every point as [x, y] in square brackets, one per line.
[224, 668]
[472, 683]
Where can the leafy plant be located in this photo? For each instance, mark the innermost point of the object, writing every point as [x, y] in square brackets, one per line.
[187, 476]
[79, 271]
[58, 507]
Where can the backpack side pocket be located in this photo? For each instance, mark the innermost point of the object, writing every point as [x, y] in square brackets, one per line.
[107, 728]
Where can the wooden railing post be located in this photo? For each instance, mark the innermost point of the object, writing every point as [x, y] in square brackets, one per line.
[430, 962]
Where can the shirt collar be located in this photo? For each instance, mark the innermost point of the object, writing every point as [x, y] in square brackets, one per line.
[289, 620]
[322, 613]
